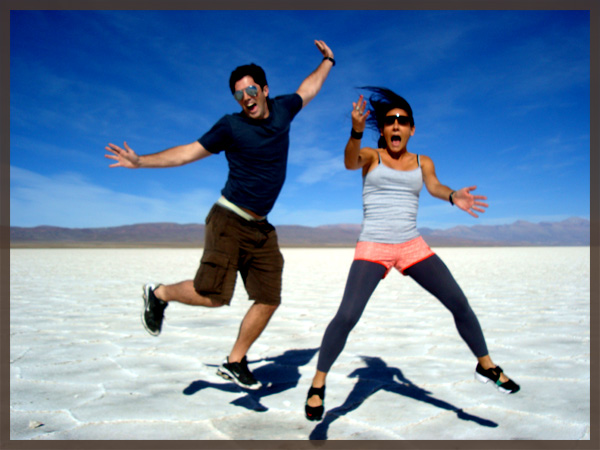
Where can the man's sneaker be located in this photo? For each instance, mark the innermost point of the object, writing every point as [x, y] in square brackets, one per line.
[493, 374]
[239, 373]
[154, 311]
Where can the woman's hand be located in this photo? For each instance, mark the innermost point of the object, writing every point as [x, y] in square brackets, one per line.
[359, 116]
[468, 202]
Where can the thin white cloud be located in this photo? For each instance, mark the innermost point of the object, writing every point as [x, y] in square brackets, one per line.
[70, 200]
[322, 171]
[315, 164]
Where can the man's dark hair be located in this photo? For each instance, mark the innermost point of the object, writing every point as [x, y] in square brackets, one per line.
[256, 72]
[383, 100]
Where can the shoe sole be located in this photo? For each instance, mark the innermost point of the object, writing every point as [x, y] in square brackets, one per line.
[223, 373]
[314, 417]
[145, 297]
[484, 380]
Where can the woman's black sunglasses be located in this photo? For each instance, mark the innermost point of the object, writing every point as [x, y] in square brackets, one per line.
[402, 120]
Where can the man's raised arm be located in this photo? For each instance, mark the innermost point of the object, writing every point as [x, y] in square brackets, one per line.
[311, 86]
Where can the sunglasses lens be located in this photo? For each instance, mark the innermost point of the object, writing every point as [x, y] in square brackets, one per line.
[402, 120]
[252, 91]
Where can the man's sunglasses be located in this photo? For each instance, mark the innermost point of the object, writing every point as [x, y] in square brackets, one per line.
[402, 120]
[252, 91]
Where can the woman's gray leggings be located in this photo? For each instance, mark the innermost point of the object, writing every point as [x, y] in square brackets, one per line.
[431, 273]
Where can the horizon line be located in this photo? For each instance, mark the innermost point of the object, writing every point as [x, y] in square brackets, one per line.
[289, 225]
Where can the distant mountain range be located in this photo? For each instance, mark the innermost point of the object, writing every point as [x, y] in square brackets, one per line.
[570, 232]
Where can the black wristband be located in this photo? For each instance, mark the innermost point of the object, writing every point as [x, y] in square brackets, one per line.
[356, 134]
[329, 59]
[450, 197]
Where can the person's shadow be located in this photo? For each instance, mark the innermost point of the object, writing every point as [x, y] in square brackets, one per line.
[378, 376]
[283, 370]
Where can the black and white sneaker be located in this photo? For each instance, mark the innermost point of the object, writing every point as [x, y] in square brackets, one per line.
[239, 373]
[493, 374]
[154, 310]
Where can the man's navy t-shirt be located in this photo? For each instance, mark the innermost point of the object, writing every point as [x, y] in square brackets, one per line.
[256, 151]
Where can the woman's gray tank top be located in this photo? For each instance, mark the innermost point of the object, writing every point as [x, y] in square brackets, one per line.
[390, 204]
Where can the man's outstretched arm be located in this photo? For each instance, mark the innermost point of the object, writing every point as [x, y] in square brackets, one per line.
[311, 86]
[172, 157]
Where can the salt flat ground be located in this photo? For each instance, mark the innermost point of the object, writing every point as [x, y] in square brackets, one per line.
[82, 366]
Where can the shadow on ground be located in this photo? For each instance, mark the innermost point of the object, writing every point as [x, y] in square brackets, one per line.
[280, 374]
[377, 376]
[284, 373]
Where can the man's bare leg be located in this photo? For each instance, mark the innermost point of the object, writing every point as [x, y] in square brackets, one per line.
[183, 292]
[253, 324]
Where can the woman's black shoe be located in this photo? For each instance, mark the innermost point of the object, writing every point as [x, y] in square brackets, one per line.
[493, 375]
[315, 412]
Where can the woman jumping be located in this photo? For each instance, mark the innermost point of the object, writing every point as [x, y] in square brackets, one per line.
[392, 180]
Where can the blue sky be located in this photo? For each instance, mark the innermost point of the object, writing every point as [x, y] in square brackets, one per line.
[501, 100]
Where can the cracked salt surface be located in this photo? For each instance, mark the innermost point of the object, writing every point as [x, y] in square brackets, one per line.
[82, 366]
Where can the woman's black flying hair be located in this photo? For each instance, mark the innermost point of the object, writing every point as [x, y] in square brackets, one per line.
[381, 101]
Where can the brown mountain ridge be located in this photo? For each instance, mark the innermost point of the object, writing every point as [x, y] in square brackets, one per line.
[571, 232]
